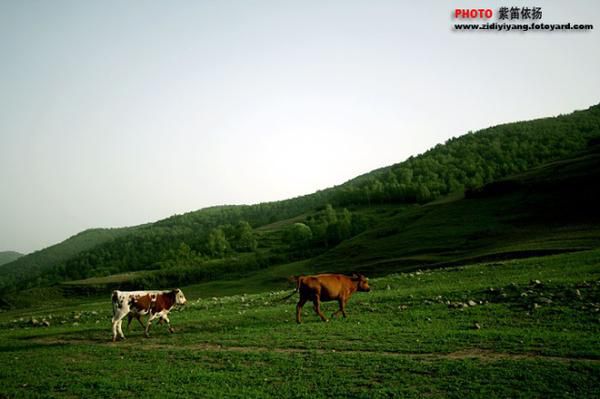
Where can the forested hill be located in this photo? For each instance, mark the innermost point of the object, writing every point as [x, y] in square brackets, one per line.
[468, 161]
[462, 162]
[29, 267]
[9, 256]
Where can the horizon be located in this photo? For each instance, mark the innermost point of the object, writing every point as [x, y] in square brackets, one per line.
[125, 116]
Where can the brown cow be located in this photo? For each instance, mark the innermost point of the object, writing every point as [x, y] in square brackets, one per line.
[328, 287]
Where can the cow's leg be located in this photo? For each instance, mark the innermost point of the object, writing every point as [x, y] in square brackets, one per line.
[116, 326]
[114, 329]
[317, 303]
[166, 319]
[343, 306]
[137, 317]
[120, 326]
[301, 303]
[341, 310]
[149, 324]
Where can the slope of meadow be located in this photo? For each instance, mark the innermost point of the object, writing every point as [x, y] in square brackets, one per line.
[520, 328]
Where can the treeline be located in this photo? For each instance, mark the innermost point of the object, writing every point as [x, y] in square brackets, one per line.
[225, 231]
[27, 270]
[170, 250]
[473, 160]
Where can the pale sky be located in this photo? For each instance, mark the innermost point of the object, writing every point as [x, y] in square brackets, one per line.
[121, 113]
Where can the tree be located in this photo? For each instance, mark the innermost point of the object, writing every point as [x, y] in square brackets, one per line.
[345, 223]
[217, 243]
[245, 237]
[423, 194]
[298, 236]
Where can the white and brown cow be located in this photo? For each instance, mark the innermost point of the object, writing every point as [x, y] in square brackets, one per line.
[134, 304]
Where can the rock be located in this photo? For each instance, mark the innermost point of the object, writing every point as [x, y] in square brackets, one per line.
[545, 300]
[388, 287]
[472, 303]
[536, 306]
[476, 326]
[75, 324]
[535, 282]
[578, 293]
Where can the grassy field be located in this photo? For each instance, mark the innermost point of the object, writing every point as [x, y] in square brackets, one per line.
[533, 331]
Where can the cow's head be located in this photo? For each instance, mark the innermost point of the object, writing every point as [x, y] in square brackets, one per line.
[179, 297]
[362, 283]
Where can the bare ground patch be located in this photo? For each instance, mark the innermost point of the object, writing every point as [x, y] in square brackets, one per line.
[482, 355]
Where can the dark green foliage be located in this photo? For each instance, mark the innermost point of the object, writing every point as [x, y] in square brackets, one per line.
[550, 209]
[298, 236]
[473, 160]
[26, 271]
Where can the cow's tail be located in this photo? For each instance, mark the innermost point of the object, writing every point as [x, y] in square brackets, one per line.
[296, 280]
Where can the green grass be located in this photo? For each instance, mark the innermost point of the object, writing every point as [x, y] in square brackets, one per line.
[400, 340]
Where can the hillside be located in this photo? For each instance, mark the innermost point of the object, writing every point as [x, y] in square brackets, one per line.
[204, 241]
[9, 256]
[29, 267]
[548, 210]
[511, 329]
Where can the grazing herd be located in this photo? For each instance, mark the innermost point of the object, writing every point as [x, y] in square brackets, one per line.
[158, 304]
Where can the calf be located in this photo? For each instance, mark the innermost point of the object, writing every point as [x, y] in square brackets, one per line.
[155, 304]
[328, 287]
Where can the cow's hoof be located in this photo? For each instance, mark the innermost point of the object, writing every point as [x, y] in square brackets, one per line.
[171, 330]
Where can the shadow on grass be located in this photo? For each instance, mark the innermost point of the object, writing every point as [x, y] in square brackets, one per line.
[30, 346]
